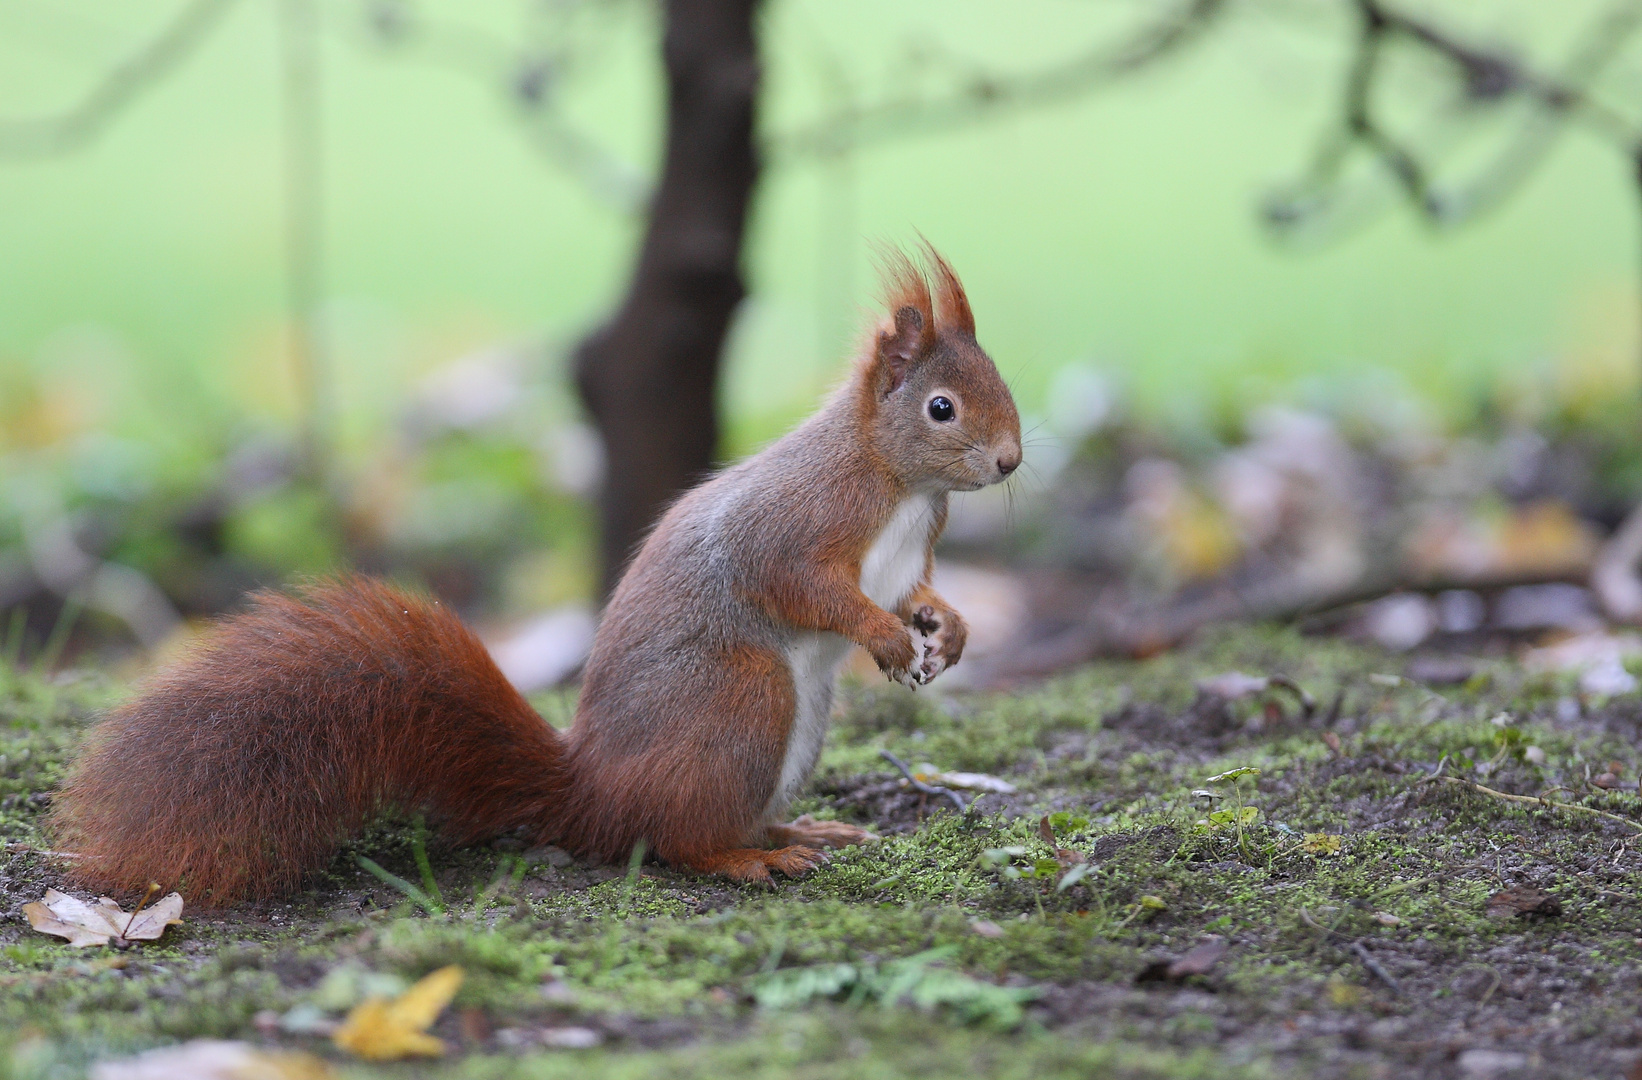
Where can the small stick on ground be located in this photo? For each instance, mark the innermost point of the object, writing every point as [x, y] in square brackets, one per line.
[1534, 800]
[1374, 967]
[920, 786]
[26, 849]
[1358, 949]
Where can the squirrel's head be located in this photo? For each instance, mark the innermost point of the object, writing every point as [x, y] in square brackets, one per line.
[940, 413]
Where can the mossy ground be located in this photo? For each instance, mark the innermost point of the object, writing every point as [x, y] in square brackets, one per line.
[663, 968]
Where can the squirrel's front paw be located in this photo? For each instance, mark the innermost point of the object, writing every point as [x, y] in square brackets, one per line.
[897, 657]
[946, 632]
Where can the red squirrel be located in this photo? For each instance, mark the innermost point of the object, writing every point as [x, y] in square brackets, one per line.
[703, 704]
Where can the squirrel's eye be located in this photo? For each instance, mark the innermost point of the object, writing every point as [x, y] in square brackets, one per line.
[941, 410]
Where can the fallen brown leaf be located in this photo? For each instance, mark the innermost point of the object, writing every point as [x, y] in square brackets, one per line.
[1522, 901]
[1067, 857]
[1199, 960]
[86, 924]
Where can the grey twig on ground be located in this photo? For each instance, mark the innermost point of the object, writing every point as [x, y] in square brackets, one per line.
[928, 789]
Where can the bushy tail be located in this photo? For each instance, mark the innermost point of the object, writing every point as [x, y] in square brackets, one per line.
[242, 768]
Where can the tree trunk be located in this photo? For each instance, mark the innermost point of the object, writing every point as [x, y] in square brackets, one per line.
[649, 376]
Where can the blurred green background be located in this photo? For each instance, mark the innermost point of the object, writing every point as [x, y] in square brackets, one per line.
[142, 310]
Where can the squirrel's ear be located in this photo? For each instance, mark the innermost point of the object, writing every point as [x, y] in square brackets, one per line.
[901, 344]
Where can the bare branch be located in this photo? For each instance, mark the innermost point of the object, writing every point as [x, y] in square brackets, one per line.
[984, 97]
[530, 79]
[1493, 76]
[72, 129]
[1489, 79]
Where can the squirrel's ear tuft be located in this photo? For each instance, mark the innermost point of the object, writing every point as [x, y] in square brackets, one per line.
[909, 334]
[949, 291]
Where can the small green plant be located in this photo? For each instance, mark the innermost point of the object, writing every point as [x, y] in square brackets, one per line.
[1065, 866]
[920, 981]
[1237, 817]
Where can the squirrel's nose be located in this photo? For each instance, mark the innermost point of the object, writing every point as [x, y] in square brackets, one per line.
[1009, 461]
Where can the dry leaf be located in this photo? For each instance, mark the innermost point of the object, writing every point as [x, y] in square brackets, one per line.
[96, 924]
[967, 781]
[1200, 960]
[213, 1059]
[381, 1030]
[1067, 857]
[1522, 901]
[1233, 685]
[1316, 843]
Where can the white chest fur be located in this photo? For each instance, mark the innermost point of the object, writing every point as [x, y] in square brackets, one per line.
[890, 570]
[895, 561]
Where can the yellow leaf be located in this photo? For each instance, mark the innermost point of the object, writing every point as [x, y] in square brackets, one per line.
[382, 1030]
[1317, 843]
[1344, 994]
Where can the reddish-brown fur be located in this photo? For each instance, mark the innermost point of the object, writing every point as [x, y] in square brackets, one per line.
[241, 769]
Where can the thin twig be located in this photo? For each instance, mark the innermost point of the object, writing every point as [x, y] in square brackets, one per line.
[982, 96]
[1374, 967]
[1358, 949]
[303, 109]
[1305, 917]
[920, 786]
[124, 82]
[1333, 716]
[29, 849]
[1533, 800]
[1489, 77]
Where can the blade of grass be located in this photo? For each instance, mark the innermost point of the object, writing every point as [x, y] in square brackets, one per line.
[67, 616]
[612, 937]
[15, 629]
[509, 870]
[419, 848]
[411, 891]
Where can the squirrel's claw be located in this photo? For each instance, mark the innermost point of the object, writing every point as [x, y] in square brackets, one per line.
[944, 634]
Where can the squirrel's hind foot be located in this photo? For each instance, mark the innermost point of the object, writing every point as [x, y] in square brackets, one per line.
[753, 865]
[823, 834]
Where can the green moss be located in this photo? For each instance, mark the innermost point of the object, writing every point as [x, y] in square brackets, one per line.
[666, 965]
